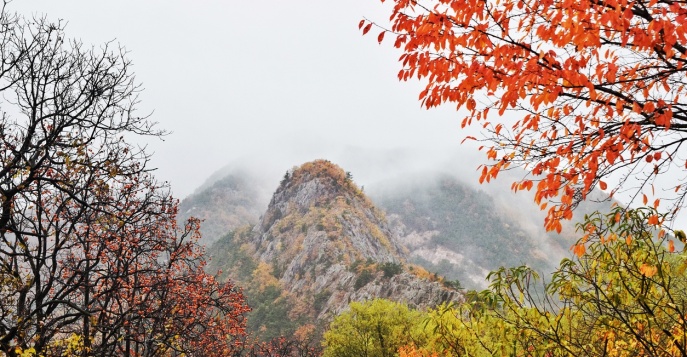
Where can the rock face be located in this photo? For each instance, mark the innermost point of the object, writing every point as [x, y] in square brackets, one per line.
[322, 244]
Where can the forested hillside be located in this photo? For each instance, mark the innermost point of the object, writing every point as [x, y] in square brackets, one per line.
[463, 233]
[460, 232]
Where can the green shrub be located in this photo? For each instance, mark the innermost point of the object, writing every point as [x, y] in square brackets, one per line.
[363, 279]
[390, 269]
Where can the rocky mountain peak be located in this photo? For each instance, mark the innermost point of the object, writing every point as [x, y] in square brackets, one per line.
[318, 206]
[322, 244]
[313, 184]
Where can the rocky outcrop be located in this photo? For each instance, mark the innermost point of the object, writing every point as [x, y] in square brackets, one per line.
[464, 233]
[326, 245]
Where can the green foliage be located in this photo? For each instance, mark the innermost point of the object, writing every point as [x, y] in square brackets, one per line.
[320, 299]
[285, 180]
[374, 328]
[466, 221]
[230, 259]
[363, 279]
[270, 316]
[622, 295]
[390, 269]
[612, 296]
[453, 284]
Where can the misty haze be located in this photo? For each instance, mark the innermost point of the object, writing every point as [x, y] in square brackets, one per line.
[363, 178]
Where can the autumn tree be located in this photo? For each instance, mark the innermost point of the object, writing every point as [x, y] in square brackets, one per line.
[92, 261]
[375, 328]
[623, 296]
[587, 93]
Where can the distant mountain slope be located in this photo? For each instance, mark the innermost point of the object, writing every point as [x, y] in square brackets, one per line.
[455, 230]
[320, 244]
[223, 204]
[463, 233]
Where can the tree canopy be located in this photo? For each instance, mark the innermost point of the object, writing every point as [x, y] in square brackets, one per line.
[375, 328]
[598, 88]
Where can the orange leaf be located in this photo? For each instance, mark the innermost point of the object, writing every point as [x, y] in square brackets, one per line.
[648, 270]
[579, 249]
[645, 199]
[671, 246]
[566, 146]
[380, 37]
[468, 138]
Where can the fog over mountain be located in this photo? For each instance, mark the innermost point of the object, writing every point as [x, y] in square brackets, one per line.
[261, 81]
[451, 224]
[270, 84]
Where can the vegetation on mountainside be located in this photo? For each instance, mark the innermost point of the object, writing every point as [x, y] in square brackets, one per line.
[270, 316]
[277, 312]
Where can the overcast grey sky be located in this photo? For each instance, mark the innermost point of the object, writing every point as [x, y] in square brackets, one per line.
[274, 82]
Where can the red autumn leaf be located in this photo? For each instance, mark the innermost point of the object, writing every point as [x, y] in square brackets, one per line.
[367, 28]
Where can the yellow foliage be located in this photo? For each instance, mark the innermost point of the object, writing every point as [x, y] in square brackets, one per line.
[618, 299]
[412, 351]
[29, 352]
[263, 276]
[422, 273]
